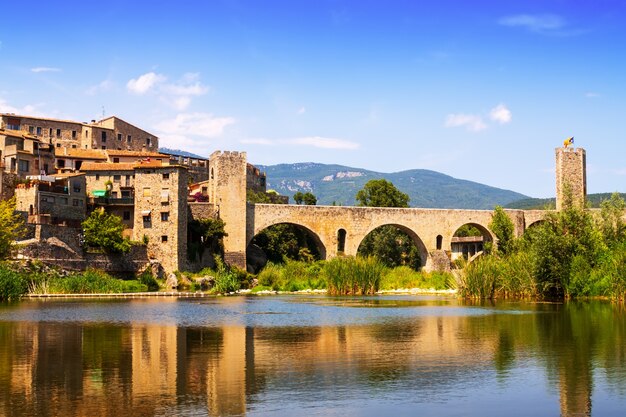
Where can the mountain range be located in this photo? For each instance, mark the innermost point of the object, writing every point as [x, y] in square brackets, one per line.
[338, 184]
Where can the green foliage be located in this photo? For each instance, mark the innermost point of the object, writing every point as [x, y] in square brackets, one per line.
[203, 234]
[298, 197]
[392, 246]
[226, 279]
[381, 193]
[12, 284]
[353, 276]
[292, 276]
[612, 219]
[467, 230]
[11, 227]
[309, 199]
[104, 230]
[286, 241]
[404, 277]
[93, 282]
[146, 278]
[502, 226]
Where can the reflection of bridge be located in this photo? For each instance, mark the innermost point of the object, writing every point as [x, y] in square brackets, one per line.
[342, 229]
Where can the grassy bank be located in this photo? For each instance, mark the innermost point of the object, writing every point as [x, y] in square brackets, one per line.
[347, 276]
[572, 253]
[17, 280]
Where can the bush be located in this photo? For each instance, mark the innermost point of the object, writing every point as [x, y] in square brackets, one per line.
[404, 277]
[354, 276]
[94, 282]
[12, 284]
[146, 278]
[104, 230]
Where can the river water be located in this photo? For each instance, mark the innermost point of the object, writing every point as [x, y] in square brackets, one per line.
[311, 356]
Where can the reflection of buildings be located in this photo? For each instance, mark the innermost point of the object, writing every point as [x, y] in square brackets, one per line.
[152, 369]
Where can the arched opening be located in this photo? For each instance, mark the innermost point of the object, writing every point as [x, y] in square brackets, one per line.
[280, 241]
[470, 239]
[394, 245]
[439, 242]
[341, 241]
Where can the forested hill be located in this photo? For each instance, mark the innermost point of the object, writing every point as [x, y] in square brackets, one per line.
[339, 184]
[594, 201]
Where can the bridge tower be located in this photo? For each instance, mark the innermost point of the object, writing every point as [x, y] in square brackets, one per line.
[571, 177]
[227, 191]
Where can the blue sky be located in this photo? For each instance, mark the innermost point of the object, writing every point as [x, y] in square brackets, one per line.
[480, 90]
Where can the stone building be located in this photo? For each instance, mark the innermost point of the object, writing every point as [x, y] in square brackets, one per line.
[198, 168]
[571, 177]
[53, 199]
[71, 160]
[24, 154]
[109, 133]
[161, 213]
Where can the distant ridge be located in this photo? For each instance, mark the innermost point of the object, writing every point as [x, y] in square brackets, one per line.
[550, 203]
[178, 152]
[338, 184]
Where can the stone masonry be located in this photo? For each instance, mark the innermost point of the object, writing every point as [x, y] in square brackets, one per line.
[571, 176]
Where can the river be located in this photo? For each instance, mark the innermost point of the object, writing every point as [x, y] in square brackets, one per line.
[312, 356]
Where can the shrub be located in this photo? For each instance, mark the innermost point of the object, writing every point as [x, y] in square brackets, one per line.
[146, 278]
[355, 276]
[12, 284]
[104, 230]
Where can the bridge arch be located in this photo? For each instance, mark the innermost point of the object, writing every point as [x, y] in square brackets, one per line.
[469, 246]
[311, 238]
[417, 241]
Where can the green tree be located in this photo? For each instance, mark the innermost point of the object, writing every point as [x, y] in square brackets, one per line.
[389, 244]
[381, 193]
[11, 227]
[205, 233]
[298, 197]
[503, 228]
[104, 230]
[309, 199]
[612, 219]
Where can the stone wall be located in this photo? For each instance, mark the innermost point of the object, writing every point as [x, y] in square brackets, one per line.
[120, 133]
[571, 177]
[202, 211]
[161, 213]
[63, 132]
[7, 184]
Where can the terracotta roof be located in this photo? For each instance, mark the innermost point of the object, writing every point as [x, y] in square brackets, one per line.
[67, 174]
[18, 134]
[106, 166]
[141, 154]
[76, 153]
[18, 116]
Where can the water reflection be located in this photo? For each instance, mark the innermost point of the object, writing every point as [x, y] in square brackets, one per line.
[569, 353]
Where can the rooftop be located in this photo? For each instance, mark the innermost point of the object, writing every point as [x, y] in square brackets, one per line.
[76, 153]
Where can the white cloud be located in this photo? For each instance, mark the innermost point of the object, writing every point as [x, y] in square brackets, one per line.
[176, 95]
[313, 141]
[29, 109]
[544, 23]
[45, 69]
[195, 124]
[501, 114]
[145, 82]
[471, 122]
[301, 110]
[101, 87]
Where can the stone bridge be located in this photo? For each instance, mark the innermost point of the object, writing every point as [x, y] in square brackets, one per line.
[342, 229]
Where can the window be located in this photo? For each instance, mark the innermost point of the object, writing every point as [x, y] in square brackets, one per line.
[61, 163]
[103, 147]
[13, 124]
[128, 138]
[146, 218]
[116, 160]
[119, 136]
[439, 242]
[114, 194]
[126, 194]
[77, 203]
[58, 133]
[38, 131]
[164, 238]
[117, 178]
[205, 190]
[73, 134]
[165, 194]
[74, 146]
[76, 187]
[126, 215]
[58, 145]
[23, 165]
[31, 129]
[147, 192]
[86, 133]
[47, 199]
[104, 137]
[63, 200]
[165, 216]
[166, 176]
[97, 177]
[50, 132]
[148, 141]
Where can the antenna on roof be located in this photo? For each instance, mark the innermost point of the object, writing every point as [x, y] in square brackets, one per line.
[103, 112]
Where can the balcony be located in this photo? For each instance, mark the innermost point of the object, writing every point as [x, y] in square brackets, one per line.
[112, 201]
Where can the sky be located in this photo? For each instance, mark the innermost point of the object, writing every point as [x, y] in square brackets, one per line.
[480, 90]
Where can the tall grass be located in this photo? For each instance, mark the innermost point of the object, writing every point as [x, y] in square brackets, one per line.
[12, 284]
[292, 276]
[93, 282]
[353, 276]
[403, 277]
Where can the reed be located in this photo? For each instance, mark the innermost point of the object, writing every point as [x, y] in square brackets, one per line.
[353, 276]
[292, 276]
[403, 277]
